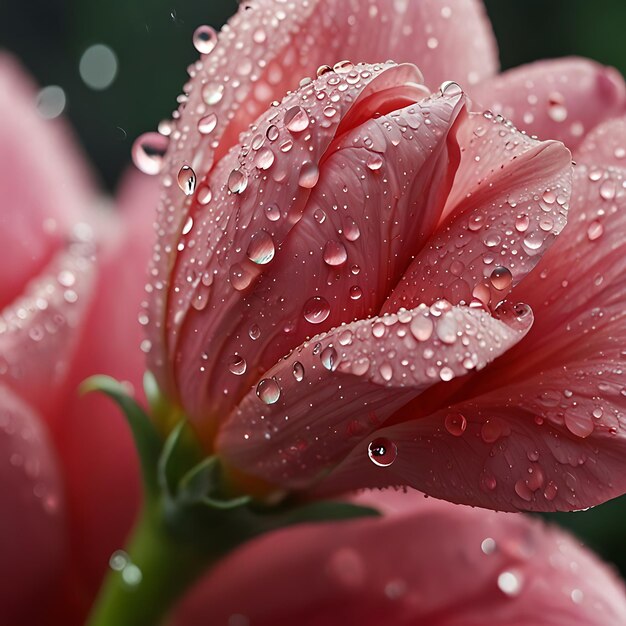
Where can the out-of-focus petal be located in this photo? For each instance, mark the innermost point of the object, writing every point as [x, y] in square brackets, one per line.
[605, 145]
[265, 50]
[559, 99]
[543, 427]
[32, 524]
[428, 563]
[381, 189]
[507, 204]
[44, 184]
[326, 397]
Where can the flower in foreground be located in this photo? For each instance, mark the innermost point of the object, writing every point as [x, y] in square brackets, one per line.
[336, 273]
[425, 562]
[69, 486]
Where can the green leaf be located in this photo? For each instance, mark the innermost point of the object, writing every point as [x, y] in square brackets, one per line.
[146, 438]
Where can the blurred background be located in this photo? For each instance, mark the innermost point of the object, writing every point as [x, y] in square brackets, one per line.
[115, 69]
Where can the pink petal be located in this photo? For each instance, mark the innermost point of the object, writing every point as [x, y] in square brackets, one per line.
[428, 563]
[32, 530]
[507, 204]
[43, 183]
[605, 145]
[319, 402]
[341, 261]
[265, 51]
[545, 426]
[40, 331]
[559, 99]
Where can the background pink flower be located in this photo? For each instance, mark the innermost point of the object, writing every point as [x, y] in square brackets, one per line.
[72, 281]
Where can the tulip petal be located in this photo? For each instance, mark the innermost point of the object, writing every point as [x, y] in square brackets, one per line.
[427, 563]
[507, 204]
[558, 99]
[339, 262]
[265, 50]
[32, 530]
[40, 331]
[319, 402]
[43, 183]
[545, 426]
[605, 145]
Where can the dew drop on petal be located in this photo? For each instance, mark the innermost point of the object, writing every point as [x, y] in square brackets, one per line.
[204, 194]
[148, 152]
[298, 371]
[329, 359]
[212, 93]
[510, 583]
[595, 230]
[237, 181]
[335, 253]
[207, 124]
[186, 180]
[374, 162]
[237, 365]
[261, 248]
[296, 119]
[272, 212]
[455, 423]
[309, 175]
[421, 328]
[382, 452]
[268, 391]
[264, 159]
[204, 39]
[316, 310]
[501, 278]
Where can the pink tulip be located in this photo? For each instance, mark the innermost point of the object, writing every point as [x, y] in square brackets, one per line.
[72, 278]
[399, 230]
[425, 562]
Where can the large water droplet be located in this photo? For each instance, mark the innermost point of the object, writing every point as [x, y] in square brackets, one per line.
[501, 278]
[316, 310]
[261, 248]
[329, 358]
[268, 391]
[455, 423]
[237, 181]
[309, 175]
[237, 365]
[335, 253]
[204, 39]
[510, 583]
[298, 371]
[264, 159]
[421, 328]
[382, 452]
[595, 230]
[207, 124]
[212, 93]
[296, 119]
[186, 180]
[148, 152]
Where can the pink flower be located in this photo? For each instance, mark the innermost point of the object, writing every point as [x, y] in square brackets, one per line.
[425, 562]
[69, 485]
[333, 272]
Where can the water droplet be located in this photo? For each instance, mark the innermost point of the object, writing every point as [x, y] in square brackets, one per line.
[254, 332]
[237, 181]
[296, 119]
[264, 159]
[237, 365]
[608, 189]
[595, 230]
[272, 212]
[329, 359]
[449, 88]
[335, 253]
[268, 391]
[374, 162]
[298, 371]
[187, 226]
[488, 545]
[212, 93]
[148, 152]
[272, 133]
[309, 175]
[491, 431]
[207, 124]
[204, 195]
[204, 39]
[455, 423]
[240, 277]
[261, 248]
[186, 180]
[501, 278]
[316, 310]
[355, 292]
[447, 329]
[382, 452]
[510, 583]
[422, 328]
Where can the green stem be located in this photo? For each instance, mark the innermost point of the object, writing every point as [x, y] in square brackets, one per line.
[159, 567]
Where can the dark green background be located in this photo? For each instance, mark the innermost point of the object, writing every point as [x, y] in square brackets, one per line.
[152, 39]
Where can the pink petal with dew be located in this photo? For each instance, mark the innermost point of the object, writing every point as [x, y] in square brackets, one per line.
[543, 428]
[425, 562]
[99, 458]
[508, 202]
[43, 183]
[311, 409]
[32, 537]
[605, 145]
[558, 99]
[40, 331]
[264, 51]
[381, 188]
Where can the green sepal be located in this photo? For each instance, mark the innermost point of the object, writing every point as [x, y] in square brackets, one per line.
[327, 511]
[181, 452]
[146, 438]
